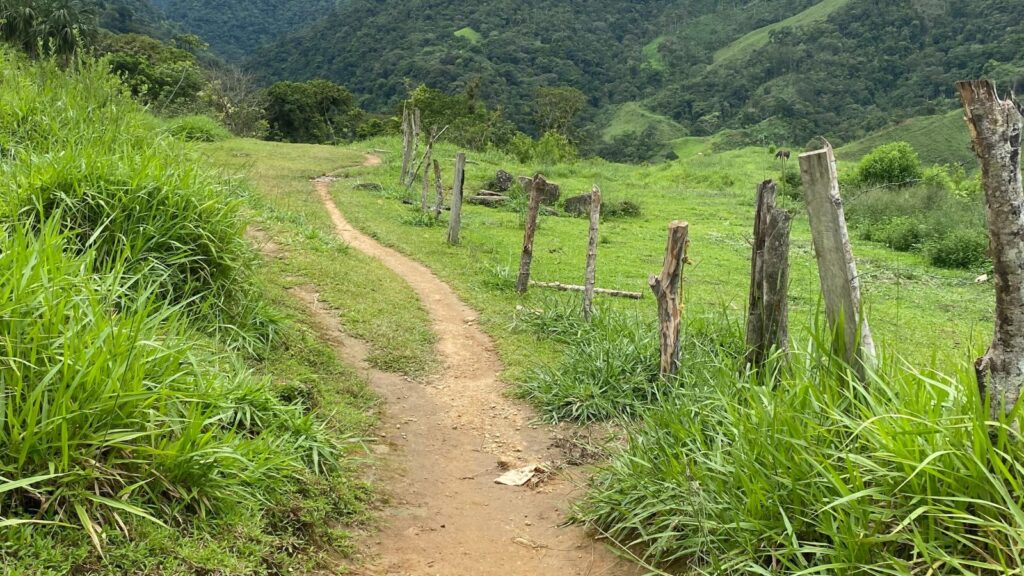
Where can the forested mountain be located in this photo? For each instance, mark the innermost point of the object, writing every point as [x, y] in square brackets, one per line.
[236, 28]
[791, 69]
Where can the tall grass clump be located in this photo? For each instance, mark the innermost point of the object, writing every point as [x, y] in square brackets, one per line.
[819, 475]
[114, 407]
[610, 366]
[81, 151]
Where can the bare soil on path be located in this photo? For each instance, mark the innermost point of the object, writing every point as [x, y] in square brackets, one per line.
[444, 442]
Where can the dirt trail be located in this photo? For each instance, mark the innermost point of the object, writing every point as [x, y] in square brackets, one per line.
[444, 440]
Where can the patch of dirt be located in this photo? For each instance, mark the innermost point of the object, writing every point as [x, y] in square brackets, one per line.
[372, 161]
[448, 438]
[263, 243]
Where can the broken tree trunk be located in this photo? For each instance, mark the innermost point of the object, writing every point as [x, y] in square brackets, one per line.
[666, 288]
[996, 126]
[406, 145]
[455, 221]
[591, 276]
[439, 186]
[602, 291]
[426, 175]
[837, 269]
[535, 186]
[767, 325]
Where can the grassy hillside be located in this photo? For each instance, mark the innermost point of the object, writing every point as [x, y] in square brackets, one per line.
[632, 117]
[938, 139]
[760, 37]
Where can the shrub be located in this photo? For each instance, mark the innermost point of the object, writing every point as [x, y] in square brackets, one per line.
[891, 164]
[622, 209]
[197, 129]
[901, 233]
[959, 248]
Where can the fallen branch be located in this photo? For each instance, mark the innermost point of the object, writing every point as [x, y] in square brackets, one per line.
[572, 288]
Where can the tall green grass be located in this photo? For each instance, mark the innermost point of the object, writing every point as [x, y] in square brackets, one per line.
[818, 475]
[125, 288]
[80, 150]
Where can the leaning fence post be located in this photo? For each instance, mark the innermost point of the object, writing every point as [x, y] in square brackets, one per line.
[535, 186]
[996, 127]
[455, 221]
[837, 269]
[591, 276]
[666, 288]
[767, 325]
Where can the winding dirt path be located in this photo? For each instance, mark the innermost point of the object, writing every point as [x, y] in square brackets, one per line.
[446, 441]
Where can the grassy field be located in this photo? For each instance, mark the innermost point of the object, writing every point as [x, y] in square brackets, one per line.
[919, 313]
[938, 139]
[758, 38]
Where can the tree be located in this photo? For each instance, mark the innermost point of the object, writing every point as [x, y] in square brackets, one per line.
[896, 163]
[557, 107]
[315, 112]
[165, 77]
[39, 27]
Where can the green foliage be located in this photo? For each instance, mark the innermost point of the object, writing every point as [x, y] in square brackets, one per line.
[555, 108]
[236, 28]
[938, 139]
[901, 233]
[958, 248]
[621, 209]
[316, 112]
[45, 27]
[466, 118]
[158, 74]
[197, 129]
[894, 164]
[632, 148]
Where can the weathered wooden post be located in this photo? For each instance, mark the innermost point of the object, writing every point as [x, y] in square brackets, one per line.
[666, 288]
[996, 128]
[439, 186]
[535, 186]
[767, 324]
[591, 276]
[406, 145]
[455, 221]
[837, 269]
[426, 173]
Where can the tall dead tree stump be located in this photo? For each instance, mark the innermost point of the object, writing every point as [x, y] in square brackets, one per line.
[767, 322]
[996, 127]
[666, 288]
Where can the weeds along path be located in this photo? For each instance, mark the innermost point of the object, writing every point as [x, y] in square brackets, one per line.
[446, 441]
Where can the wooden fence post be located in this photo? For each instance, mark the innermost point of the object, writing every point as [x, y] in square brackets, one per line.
[591, 276]
[455, 221]
[767, 324]
[439, 200]
[406, 145]
[536, 185]
[426, 174]
[666, 288]
[996, 128]
[837, 269]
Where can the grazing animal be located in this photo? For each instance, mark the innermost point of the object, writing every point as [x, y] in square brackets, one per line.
[782, 155]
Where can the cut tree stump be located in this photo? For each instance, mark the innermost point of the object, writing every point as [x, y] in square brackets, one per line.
[534, 189]
[666, 288]
[837, 269]
[455, 221]
[590, 279]
[767, 323]
[996, 127]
